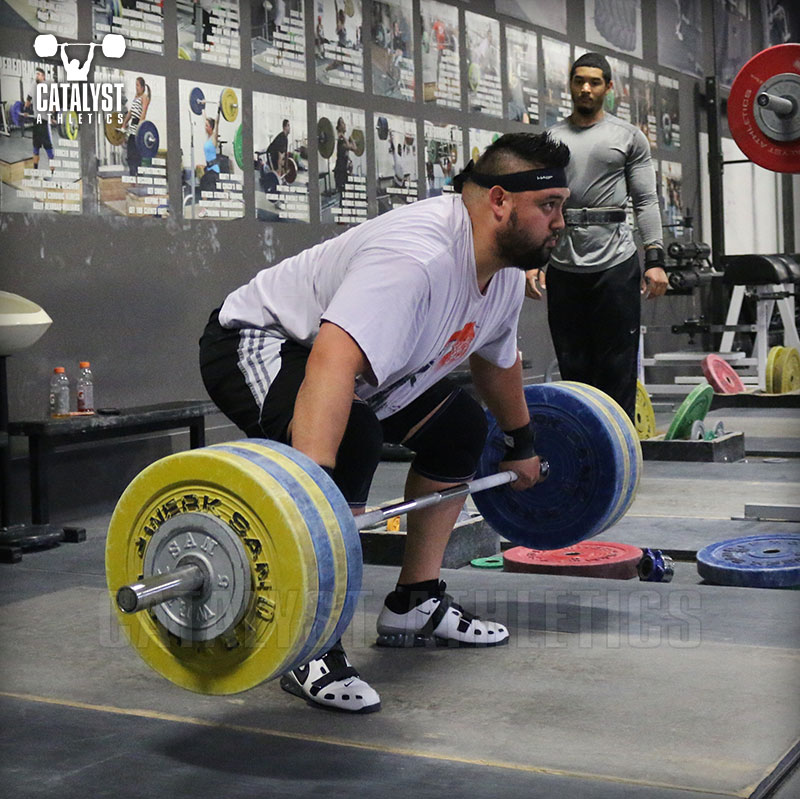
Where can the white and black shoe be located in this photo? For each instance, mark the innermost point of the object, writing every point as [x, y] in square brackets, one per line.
[331, 682]
[438, 621]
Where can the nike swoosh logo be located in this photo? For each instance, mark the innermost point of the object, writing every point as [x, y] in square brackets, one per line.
[424, 612]
[348, 683]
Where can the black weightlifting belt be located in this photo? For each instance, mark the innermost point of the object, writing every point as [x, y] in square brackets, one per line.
[593, 216]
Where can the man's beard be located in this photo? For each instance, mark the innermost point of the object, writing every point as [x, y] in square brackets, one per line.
[516, 248]
[587, 109]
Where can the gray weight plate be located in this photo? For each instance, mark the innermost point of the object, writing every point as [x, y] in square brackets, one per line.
[203, 540]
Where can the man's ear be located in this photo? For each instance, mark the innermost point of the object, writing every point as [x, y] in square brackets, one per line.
[499, 202]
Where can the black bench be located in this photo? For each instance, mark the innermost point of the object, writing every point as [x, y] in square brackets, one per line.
[44, 435]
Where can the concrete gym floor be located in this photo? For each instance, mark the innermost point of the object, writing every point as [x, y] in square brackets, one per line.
[609, 688]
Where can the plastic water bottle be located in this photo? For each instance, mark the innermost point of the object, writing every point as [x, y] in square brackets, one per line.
[85, 388]
[59, 392]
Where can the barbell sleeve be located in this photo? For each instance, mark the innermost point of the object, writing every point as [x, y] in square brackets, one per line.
[428, 500]
[782, 106]
[160, 588]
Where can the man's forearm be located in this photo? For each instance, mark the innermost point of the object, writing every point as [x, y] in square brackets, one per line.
[325, 397]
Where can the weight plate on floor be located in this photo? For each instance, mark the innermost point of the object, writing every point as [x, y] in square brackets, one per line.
[229, 104]
[693, 408]
[284, 537]
[645, 415]
[114, 134]
[196, 98]
[586, 559]
[786, 376]
[588, 473]
[757, 561]
[237, 148]
[774, 354]
[326, 138]
[492, 562]
[147, 139]
[722, 377]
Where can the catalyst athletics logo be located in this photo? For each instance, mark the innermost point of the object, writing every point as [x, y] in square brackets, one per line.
[77, 93]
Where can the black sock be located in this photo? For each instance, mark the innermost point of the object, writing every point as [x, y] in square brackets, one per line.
[406, 597]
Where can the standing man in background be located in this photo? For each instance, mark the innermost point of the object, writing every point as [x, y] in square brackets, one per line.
[594, 279]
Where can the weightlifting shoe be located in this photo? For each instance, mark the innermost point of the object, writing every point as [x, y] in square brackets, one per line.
[437, 621]
[331, 682]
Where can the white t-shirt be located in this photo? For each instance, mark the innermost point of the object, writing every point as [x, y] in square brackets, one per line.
[404, 287]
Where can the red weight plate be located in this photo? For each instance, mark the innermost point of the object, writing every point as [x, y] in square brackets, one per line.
[774, 155]
[586, 559]
[722, 377]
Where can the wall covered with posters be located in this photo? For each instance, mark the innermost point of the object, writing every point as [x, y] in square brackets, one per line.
[236, 133]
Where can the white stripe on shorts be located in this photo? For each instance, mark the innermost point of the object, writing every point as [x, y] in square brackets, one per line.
[259, 361]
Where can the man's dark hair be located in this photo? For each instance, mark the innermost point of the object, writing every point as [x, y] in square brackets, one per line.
[594, 60]
[538, 149]
[284, 123]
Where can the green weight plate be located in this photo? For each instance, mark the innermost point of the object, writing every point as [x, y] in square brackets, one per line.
[492, 562]
[237, 148]
[693, 408]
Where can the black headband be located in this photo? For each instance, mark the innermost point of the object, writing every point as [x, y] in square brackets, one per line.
[529, 180]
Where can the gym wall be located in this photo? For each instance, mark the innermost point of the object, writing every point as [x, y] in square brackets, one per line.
[131, 291]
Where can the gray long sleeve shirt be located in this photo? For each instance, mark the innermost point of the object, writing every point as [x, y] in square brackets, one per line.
[609, 161]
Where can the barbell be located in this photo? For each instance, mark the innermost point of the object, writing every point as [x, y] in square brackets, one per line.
[228, 103]
[764, 108]
[231, 564]
[45, 45]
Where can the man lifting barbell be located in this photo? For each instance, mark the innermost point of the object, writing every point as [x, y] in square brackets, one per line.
[348, 345]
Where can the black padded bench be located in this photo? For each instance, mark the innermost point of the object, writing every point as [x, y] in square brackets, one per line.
[759, 270]
[44, 435]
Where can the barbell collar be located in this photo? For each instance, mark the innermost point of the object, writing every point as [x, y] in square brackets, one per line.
[160, 588]
[782, 106]
[428, 500]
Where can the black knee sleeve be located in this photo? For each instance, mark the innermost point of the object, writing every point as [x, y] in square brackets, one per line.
[359, 454]
[450, 443]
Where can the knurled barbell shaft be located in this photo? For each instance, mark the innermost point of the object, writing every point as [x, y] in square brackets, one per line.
[184, 580]
[160, 588]
[782, 106]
